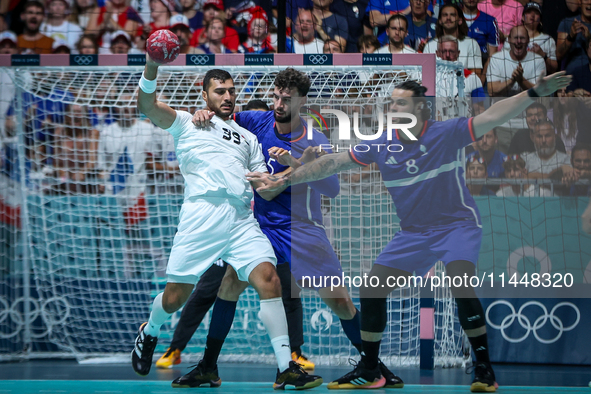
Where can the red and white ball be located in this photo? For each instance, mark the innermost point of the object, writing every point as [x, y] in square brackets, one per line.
[163, 46]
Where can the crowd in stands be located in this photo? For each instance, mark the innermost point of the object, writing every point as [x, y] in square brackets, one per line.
[505, 47]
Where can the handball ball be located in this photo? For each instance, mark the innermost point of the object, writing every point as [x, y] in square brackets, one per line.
[163, 46]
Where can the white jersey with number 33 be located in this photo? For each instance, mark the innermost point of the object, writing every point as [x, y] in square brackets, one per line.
[214, 160]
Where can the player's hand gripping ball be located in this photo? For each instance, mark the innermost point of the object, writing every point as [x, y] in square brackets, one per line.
[163, 46]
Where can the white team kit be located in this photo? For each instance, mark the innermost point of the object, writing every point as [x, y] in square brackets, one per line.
[216, 221]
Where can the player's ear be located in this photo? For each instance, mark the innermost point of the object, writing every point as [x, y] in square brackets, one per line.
[304, 100]
[204, 94]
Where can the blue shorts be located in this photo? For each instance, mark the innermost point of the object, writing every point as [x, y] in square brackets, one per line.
[418, 251]
[307, 250]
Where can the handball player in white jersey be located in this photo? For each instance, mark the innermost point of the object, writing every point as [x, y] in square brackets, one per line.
[215, 220]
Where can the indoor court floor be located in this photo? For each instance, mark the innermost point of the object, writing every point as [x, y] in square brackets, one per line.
[69, 377]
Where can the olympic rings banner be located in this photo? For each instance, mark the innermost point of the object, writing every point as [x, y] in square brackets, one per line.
[546, 331]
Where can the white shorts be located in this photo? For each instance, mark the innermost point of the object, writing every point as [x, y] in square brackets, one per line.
[215, 228]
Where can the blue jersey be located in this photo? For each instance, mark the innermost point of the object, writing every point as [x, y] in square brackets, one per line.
[483, 28]
[495, 168]
[300, 202]
[426, 179]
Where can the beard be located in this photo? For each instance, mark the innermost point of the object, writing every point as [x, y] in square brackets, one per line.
[223, 112]
[286, 118]
[546, 151]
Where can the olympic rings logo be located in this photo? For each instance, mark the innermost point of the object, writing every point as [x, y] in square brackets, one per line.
[201, 60]
[524, 321]
[54, 311]
[83, 60]
[318, 59]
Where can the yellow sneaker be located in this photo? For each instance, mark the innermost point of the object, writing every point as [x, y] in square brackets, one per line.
[170, 358]
[306, 364]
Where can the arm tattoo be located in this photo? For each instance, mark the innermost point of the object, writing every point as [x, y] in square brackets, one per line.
[321, 168]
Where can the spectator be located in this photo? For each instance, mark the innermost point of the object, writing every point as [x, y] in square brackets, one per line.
[380, 11]
[123, 151]
[487, 150]
[447, 49]
[215, 33]
[451, 22]
[368, 44]
[573, 34]
[57, 27]
[539, 43]
[120, 42]
[60, 47]
[32, 40]
[397, 31]
[513, 71]
[81, 11]
[421, 25]
[582, 74]
[481, 27]
[160, 13]
[256, 105]
[190, 11]
[581, 162]
[523, 140]
[329, 25]
[179, 25]
[514, 167]
[507, 13]
[476, 169]
[258, 40]
[354, 11]
[564, 113]
[332, 46]
[304, 40]
[76, 150]
[114, 16]
[8, 43]
[211, 10]
[546, 162]
[87, 45]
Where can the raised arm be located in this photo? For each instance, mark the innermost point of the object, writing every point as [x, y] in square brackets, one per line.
[320, 168]
[159, 113]
[507, 109]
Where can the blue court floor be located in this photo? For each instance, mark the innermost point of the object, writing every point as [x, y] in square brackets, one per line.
[68, 377]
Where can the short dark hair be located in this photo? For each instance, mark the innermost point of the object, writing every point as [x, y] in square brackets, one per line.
[543, 122]
[537, 105]
[418, 92]
[579, 147]
[397, 16]
[462, 29]
[368, 39]
[256, 104]
[217, 74]
[33, 3]
[291, 78]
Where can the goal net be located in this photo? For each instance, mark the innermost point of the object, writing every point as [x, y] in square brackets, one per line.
[90, 199]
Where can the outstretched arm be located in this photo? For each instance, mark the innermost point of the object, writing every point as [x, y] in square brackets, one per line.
[320, 168]
[506, 109]
[159, 113]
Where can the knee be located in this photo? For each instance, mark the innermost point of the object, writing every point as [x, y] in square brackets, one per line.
[343, 308]
[266, 282]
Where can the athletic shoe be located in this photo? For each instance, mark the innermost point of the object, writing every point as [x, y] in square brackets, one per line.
[200, 376]
[303, 361]
[170, 358]
[360, 378]
[484, 379]
[141, 356]
[295, 377]
[392, 381]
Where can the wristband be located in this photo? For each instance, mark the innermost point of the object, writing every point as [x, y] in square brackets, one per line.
[569, 38]
[532, 93]
[147, 86]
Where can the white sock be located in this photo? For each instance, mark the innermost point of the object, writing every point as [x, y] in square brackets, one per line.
[158, 317]
[272, 315]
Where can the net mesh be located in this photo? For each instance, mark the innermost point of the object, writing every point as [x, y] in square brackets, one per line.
[103, 192]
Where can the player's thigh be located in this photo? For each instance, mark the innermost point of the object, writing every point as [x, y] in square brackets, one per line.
[201, 238]
[247, 247]
[458, 243]
[383, 279]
